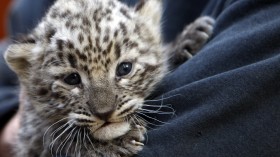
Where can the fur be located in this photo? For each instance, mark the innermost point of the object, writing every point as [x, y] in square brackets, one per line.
[91, 38]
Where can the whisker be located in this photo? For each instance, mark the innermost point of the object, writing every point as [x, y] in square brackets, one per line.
[84, 141]
[150, 123]
[132, 119]
[55, 131]
[49, 129]
[90, 141]
[65, 141]
[155, 111]
[80, 139]
[152, 118]
[58, 129]
[73, 137]
[53, 142]
[75, 152]
[169, 106]
[163, 98]
[140, 122]
[138, 117]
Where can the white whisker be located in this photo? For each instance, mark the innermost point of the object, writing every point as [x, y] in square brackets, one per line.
[152, 118]
[77, 141]
[54, 132]
[65, 141]
[80, 139]
[159, 107]
[90, 141]
[53, 142]
[58, 129]
[155, 111]
[140, 122]
[49, 129]
[73, 137]
[163, 98]
[156, 125]
[147, 126]
[84, 141]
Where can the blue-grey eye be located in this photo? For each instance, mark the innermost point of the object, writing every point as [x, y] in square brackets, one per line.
[124, 69]
[73, 79]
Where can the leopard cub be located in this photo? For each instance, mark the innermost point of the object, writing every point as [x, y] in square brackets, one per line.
[85, 72]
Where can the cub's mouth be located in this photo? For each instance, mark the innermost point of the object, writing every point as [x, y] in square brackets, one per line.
[101, 129]
[82, 131]
[110, 130]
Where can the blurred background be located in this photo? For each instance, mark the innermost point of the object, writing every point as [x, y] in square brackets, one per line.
[4, 7]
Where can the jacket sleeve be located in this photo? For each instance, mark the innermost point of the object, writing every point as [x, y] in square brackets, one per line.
[227, 97]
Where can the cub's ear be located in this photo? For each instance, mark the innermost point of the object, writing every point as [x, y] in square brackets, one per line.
[19, 58]
[150, 9]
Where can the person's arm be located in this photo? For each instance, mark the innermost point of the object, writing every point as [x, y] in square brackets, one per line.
[8, 136]
[226, 97]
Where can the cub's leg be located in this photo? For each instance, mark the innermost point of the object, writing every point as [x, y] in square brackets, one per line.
[193, 37]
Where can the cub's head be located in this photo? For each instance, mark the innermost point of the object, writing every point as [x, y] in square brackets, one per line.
[92, 62]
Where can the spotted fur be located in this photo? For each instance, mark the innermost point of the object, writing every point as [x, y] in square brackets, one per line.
[91, 38]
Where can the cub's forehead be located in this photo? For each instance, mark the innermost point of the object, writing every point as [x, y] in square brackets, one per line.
[89, 31]
[95, 14]
[76, 19]
[90, 26]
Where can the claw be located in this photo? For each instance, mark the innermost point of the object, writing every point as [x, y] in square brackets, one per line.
[137, 143]
[188, 54]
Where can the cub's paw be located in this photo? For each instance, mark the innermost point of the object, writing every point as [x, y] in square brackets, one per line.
[193, 37]
[132, 142]
[134, 139]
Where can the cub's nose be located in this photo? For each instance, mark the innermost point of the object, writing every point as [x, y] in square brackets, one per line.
[105, 115]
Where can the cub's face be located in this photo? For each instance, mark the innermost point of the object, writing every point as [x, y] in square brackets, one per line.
[92, 63]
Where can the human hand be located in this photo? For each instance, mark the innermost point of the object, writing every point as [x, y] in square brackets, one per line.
[8, 136]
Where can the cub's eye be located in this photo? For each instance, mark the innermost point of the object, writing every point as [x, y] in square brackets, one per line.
[73, 79]
[124, 69]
